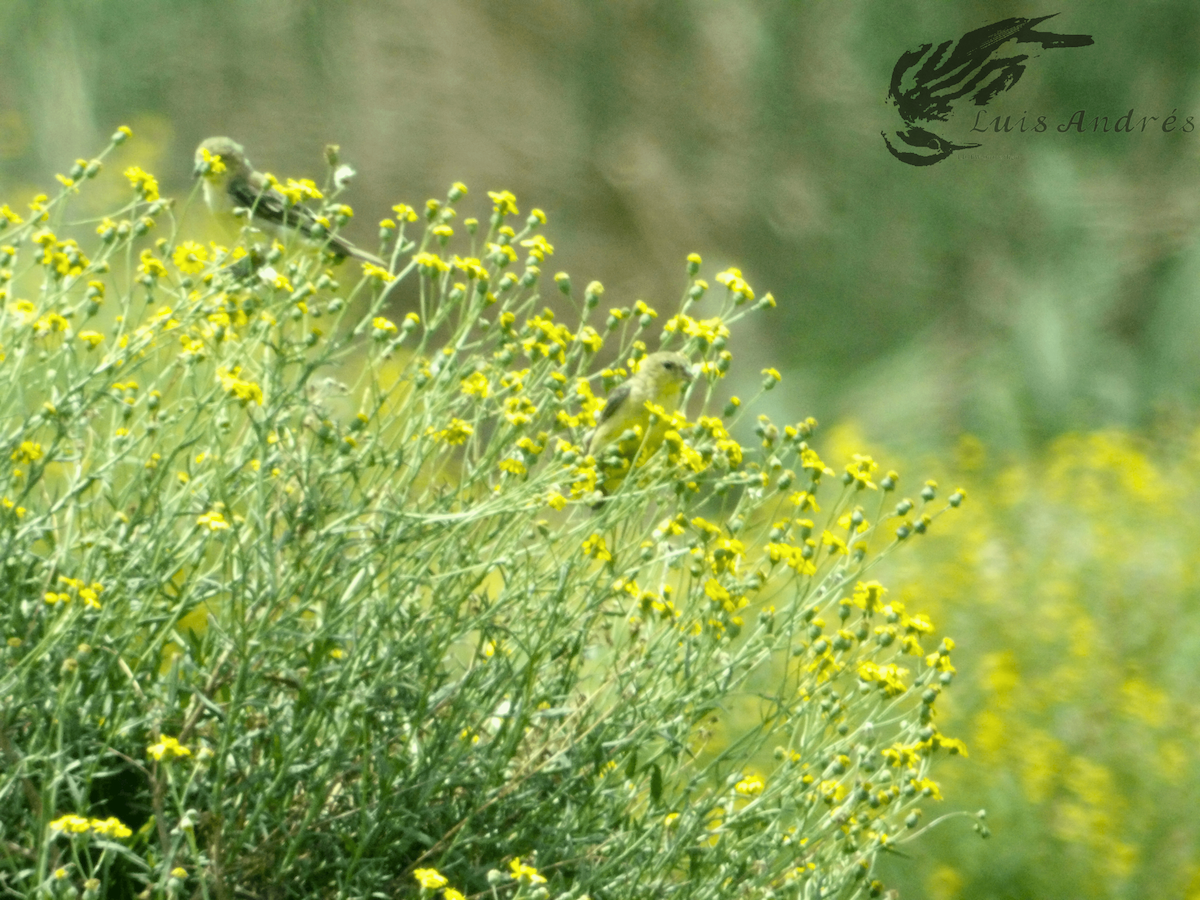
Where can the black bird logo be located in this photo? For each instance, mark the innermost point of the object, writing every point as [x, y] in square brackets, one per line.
[974, 69]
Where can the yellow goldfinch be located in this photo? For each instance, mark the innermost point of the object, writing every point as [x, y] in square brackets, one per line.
[660, 379]
[230, 183]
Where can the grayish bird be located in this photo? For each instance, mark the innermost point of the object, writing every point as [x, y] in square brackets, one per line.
[231, 183]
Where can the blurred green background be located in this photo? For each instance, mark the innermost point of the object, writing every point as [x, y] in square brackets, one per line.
[1019, 319]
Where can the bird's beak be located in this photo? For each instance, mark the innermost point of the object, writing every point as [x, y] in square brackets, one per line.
[688, 374]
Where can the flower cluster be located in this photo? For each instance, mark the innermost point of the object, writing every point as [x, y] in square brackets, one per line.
[73, 824]
[386, 547]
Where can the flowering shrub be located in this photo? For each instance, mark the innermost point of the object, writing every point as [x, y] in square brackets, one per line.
[301, 599]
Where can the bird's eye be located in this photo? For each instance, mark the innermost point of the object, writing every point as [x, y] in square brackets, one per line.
[668, 365]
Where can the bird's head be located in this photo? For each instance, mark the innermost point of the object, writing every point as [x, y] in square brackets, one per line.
[229, 152]
[667, 370]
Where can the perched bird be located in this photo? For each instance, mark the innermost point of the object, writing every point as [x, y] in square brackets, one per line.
[230, 183]
[660, 379]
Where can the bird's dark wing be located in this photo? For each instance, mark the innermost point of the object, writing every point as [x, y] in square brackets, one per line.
[615, 399]
[266, 203]
[271, 206]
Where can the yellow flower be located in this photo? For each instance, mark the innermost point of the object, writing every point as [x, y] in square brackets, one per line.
[519, 411]
[890, 677]
[430, 878]
[370, 270]
[716, 592]
[547, 338]
[91, 337]
[110, 827]
[384, 325]
[595, 547]
[530, 446]
[476, 385]
[868, 594]
[143, 182]
[455, 433]
[167, 749]
[25, 309]
[38, 205]
[512, 466]
[214, 521]
[431, 263]
[278, 279]
[919, 624]
[70, 824]
[590, 338]
[49, 323]
[190, 257]
[504, 203]
[953, 745]
[525, 874]
[860, 469]
[215, 164]
[295, 191]
[471, 267]
[27, 452]
[810, 460]
[243, 390]
[927, 785]
[791, 556]
[707, 330]
[151, 265]
[750, 786]
[835, 544]
[539, 247]
[502, 255]
[732, 279]
[90, 595]
[641, 309]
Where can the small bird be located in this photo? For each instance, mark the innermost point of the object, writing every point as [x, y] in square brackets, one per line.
[660, 379]
[230, 183]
